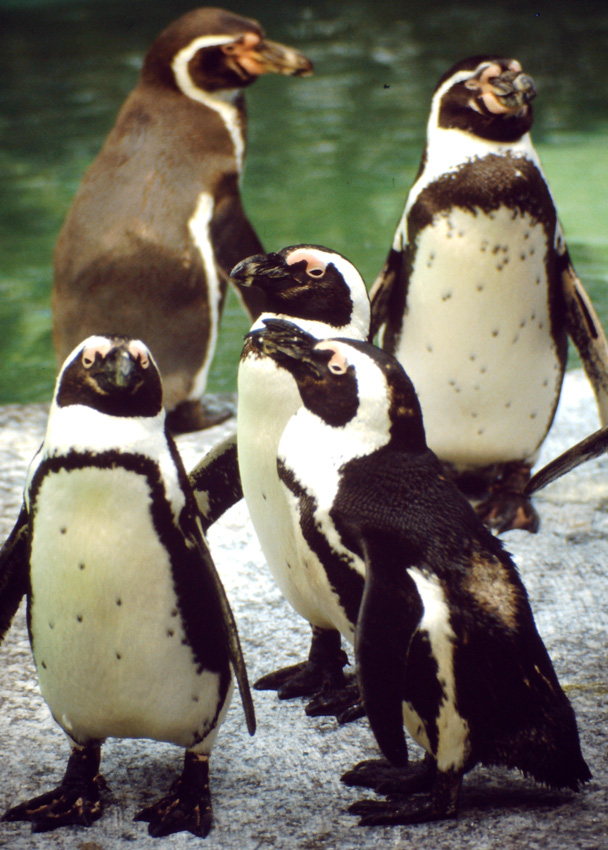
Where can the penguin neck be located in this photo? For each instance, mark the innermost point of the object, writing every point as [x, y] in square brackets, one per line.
[224, 102]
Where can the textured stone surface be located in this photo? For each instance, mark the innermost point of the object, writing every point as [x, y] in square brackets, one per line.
[281, 789]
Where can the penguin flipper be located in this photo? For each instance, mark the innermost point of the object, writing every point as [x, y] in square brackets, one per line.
[585, 330]
[216, 481]
[231, 632]
[591, 447]
[390, 612]
[14, 571]
[382, 289]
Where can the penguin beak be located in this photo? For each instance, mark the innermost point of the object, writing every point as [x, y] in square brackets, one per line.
[289, 345]
[254, 56]
[120, 369]
[513, 90]
[254, 271]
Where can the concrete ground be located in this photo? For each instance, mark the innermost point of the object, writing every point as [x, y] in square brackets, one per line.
[282, 789]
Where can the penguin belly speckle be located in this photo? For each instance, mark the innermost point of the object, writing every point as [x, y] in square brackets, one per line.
[108, 638]
[473, 330]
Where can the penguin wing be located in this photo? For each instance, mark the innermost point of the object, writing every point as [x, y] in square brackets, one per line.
[587, 334]
[592, 446]
[14, 571]
[234, 239]
[389, 614]
[382, 291]
[216, 481]
[230, 630]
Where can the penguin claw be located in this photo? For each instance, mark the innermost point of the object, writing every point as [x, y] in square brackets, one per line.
[60, 807]
[187, 806]
[385, 778]
[345, 704]
[394, 812]
[176, 813]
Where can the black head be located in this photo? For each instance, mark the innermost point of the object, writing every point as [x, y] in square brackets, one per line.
[211, 49]
[343, 380]
[312, 283]
[114, 375]
[487, 96]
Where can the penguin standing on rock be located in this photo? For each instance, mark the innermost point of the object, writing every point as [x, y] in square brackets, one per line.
[324, 294]
[158, 223]
[131, 631]
[445, 638]
[478, 295]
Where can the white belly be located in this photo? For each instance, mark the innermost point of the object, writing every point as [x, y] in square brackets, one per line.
[108, 638]
[476, 339]
[267, 398]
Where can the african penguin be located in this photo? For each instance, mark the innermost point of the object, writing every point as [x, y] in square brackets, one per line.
[131, 631]
[323, 293]
[445, 639]
[157, 223]
[478, 294]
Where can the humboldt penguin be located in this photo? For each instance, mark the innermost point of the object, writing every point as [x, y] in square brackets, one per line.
[445, 639]
[324, 294]
[478, 294]
[131, 631]
[157, 223]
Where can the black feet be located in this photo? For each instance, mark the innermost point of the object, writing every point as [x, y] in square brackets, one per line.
[507, 507]
[345, 704]
[195, 416]
[321, 672]
[75, 802]
[187, 807]
[402, 784]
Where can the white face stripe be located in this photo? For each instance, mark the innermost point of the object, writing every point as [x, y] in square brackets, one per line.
[226, 110]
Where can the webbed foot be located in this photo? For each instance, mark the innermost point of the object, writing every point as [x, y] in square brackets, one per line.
[187, 807]
[507, 507]
[188, 416]
[76, 801]
[322, 672]
[394, 812]
[344, 704]
[385, 778]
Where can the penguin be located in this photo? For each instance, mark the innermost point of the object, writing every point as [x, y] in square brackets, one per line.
[587, 449]
[445, 639]
[131, 631]
[478, 295]
[324, 294]
[157, 222]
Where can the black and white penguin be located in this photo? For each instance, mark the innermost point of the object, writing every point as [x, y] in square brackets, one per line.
[131, 631]
[324, 294]
[157, 223]
[588, 449]
[445, 638]
[478, 295]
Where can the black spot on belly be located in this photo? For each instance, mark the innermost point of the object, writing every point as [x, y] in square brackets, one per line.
[43, 665]
[63, 530]
[51, 625]
[495, 332]
[446, 296]
[195, 699]
[264, 497]
[289, 567]
[170, 632]
[174, 612]
[479, 287]
[118, 656]
[81, 566]
[119, 602]
[79, 617]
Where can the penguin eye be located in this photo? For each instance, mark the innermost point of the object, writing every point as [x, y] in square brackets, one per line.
[87, 360]
[316, 271]
[336, 368]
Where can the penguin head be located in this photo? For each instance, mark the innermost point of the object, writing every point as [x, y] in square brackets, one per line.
[113, 375]
[311, 283]
[208, 50]
[485, 96]
[347, 382]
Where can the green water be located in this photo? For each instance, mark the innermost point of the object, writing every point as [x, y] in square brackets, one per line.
[330, 158]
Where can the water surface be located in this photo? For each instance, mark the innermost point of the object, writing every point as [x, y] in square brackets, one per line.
[330, 157]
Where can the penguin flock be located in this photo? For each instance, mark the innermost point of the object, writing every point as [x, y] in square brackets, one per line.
[376, 477]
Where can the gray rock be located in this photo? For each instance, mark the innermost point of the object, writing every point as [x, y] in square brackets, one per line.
[281, 789]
